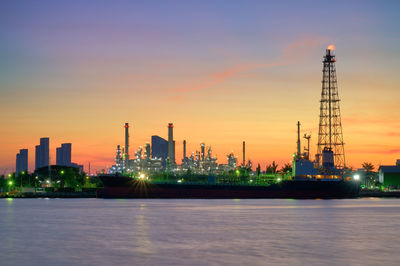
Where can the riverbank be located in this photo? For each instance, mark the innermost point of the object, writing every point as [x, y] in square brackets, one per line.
[92, 194]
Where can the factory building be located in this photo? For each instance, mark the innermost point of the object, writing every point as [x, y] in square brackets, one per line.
[42, 153]
[199, 162]
[159, 149]
[21, 164]
[389, 175]
[63, 154]
[231, 164]
[144, 162]
[118, 167]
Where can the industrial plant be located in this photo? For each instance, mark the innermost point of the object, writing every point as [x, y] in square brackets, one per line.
[160, 157]
[329, 161]
[156, 160]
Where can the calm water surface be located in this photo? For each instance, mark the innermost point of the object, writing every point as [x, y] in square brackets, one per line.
[199, 232]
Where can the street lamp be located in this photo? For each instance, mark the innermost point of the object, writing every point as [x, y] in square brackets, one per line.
[10, 183]
[356, 177]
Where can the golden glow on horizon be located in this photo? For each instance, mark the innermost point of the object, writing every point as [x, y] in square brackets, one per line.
[222, 106]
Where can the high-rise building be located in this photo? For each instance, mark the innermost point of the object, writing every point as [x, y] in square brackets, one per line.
[159, 148]
[37, 157]
[21, 163]
[63, 154]
[42, 153]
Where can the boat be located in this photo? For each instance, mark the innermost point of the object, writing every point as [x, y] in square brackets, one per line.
[120, 186]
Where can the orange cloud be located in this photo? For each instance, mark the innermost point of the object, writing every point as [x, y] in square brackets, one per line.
[290, 54]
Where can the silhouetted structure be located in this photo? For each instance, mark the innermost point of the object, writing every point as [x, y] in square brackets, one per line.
[159, 149]
[42, 153]
[171, 144]
[21, 163]
[330, 136]
[63, 154]
[126, 144]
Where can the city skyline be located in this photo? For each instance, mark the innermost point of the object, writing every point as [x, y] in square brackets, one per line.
[220, 81]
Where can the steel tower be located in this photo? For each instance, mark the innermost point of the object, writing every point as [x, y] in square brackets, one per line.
[330, 135]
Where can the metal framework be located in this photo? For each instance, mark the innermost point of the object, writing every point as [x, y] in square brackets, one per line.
[330, 135]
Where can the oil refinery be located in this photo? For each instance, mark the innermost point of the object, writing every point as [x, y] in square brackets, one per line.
[329, 163]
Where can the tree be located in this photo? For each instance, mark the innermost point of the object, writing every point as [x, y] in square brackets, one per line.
[286, 168]
[258, 170]
[272, 168]
[3, 184]
[369, 167]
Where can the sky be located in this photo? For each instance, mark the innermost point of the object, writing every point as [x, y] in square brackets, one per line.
[222, 71]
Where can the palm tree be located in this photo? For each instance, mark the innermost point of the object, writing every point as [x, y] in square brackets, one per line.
[272, 168]
[286, 168]
[258, 170]
[369, 167]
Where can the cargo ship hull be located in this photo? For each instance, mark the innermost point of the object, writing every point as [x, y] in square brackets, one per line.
[125, 187]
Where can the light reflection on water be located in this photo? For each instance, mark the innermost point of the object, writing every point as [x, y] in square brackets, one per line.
[199, 232]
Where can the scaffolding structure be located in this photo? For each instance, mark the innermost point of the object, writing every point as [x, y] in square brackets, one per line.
[330, 135]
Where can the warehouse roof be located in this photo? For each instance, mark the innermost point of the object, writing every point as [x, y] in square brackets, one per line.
[389, 169]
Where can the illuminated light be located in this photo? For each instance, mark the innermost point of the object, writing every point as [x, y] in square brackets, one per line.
[179, 181]
[331, 47]
[141, 176]
[126, 125]
[278, 179]
[10, 183]
[62, 172]
[9, 175]
[357, 177]
[23, 172]
[36, 177]
[47, 181]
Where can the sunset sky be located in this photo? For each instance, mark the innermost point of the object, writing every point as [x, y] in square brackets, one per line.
[221, 71]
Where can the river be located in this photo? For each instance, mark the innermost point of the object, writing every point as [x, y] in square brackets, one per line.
[199, 232]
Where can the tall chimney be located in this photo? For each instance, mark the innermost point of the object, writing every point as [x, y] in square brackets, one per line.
[203, 150]
[244, 153]
[147, 150]
[171, 148]
[184, 149]
[126, 144]
[298, 139]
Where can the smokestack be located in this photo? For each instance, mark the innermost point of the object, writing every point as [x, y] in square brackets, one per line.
[244, 153]
[298, 139]
[171, 148]
[202, 146]
[126, 143]
[147, 150]
[184, 149]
